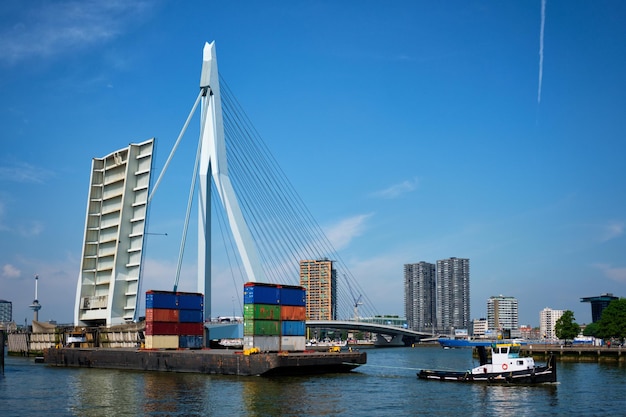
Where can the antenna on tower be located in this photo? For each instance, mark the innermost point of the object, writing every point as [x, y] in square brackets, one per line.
[35, 306]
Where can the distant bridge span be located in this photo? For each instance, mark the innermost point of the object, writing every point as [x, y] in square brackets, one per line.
[396, 333]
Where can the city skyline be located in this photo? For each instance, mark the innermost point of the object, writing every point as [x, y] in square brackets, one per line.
[411, 130]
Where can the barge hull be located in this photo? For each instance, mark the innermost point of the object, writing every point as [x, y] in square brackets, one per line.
[206, 361]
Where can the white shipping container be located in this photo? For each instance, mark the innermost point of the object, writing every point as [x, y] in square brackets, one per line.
[293, 343]
[264, 343]
[161, 342]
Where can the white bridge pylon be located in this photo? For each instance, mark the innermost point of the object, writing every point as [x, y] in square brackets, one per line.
[213, 164]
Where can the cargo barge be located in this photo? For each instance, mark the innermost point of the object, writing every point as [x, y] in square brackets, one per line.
[206, 361]
[174, 340]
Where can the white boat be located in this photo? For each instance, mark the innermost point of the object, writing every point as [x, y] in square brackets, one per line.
[325, 344]
[506, 367]
[231, 343]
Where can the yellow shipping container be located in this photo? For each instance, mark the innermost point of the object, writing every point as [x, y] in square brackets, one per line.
[161, 342]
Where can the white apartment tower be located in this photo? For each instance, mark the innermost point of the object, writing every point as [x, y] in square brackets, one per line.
[547, 321]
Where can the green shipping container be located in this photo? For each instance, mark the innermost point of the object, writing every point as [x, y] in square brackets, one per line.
[261, 328]
[261, 312]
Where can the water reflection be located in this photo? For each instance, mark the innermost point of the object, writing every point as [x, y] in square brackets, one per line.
[514, 400]
[387, 386]
[292, 396]
[99, 392]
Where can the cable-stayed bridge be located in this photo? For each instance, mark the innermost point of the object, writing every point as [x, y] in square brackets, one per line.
[264, 223]
[240, 189]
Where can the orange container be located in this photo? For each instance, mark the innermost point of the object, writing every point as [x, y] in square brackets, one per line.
[166, 315]
[293, 313]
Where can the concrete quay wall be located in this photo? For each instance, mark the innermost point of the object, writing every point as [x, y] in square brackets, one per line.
[576, 353]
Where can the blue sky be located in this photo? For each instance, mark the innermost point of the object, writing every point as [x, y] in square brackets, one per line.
[439, 129]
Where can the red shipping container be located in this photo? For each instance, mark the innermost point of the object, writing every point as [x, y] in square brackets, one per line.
[160, 328]
[191, 329]
[162, 314]
[293, 313]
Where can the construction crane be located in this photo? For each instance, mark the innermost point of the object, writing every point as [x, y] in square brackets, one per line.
[356, 300]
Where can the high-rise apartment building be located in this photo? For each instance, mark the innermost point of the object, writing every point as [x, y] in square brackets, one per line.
[420, 296]
[453, 294]
[320, 280]
[6, 311]
[502, 315]
[547, 321]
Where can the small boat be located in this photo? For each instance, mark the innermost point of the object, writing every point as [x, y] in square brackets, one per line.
[449, 343]
[325, 345]
[231, 343]
[505, 367]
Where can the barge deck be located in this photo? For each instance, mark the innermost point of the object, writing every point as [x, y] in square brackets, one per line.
[207, 361]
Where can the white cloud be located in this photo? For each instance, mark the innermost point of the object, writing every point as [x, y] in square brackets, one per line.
[33, 228]
[614, 273]
[23, 172]
[397, 190]
[50, 28]
[340, 234]
[612, 230]
[10, 271]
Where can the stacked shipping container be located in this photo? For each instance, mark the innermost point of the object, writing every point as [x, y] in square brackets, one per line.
[274, 317]
[174, 320]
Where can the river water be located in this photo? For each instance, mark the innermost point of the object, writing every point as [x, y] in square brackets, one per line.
[386, 386]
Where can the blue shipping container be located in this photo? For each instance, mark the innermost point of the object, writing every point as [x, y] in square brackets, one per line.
[190, 301]
[190, 342]
[261, 294]
[190, 316]
[161, 299]
[293, 328]
[293, 296]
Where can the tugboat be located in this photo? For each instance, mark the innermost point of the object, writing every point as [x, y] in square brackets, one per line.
[505, 367]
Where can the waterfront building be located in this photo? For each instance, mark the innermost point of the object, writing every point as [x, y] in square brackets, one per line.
[502, 315]
[598, 304]
[547, 322]
[480, 327]
[319, 278]
[6, 311]
[453, 294]
[530, 333]
[420, 296]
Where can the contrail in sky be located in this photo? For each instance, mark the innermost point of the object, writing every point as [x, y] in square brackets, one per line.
[543, 24]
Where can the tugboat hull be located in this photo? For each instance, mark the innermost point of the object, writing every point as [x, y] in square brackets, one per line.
[537, 375]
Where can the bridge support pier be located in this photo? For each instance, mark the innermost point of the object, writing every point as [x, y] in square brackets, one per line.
[389, 341]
